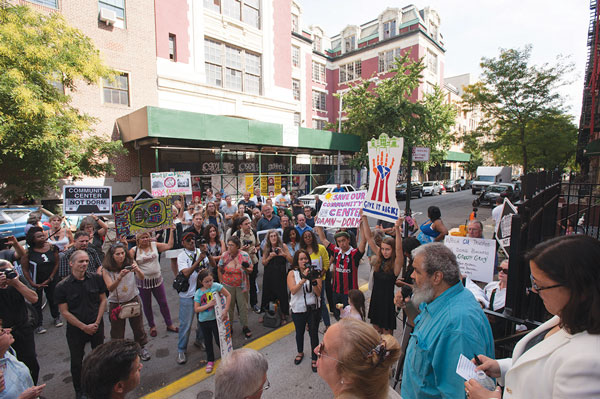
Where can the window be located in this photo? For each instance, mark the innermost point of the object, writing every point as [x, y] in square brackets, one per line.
[387, 60]
[296, 56]
[318, 74]
[295, 24]
[232, 8]
[118, 6]
[247, 11]
[172, 47]
[297, 120]
[46, 3]
[250, 13]
[433, 31]
[431, 61]
[317, 44]
[232, 67]
[350, 43]
[296, 89]
[214, 5]
[389, 29]
[117, 91]
[318, 124]
[318, 100]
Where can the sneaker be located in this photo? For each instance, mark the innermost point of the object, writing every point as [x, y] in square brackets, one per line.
[145, 355]
[256, 309]
[199, 344]
[40, 330]
[58, 322]
[181, 358]
[209, 367]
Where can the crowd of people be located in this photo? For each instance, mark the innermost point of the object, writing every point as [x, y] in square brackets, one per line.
[216, 246]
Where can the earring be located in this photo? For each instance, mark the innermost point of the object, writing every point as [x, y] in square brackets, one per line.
[342, 382]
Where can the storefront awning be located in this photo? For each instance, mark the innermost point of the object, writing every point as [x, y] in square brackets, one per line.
[592, 149]
[154, 126]
[455, 156]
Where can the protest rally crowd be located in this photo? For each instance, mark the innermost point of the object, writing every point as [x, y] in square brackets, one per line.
[216, 246]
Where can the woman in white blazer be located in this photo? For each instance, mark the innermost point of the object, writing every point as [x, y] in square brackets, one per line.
[560, 358]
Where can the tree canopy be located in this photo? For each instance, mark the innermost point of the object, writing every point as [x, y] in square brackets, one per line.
[43, 138]
[385, 106]
[524, 121]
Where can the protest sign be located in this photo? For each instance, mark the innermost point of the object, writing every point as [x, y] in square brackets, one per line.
[385, 154]
[169, 183]
[224, 326]
[78, 200]
[503, 228]
[475, 256]
[341, 209]
[134, 217]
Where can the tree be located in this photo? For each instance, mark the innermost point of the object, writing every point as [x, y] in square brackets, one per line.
[42, 137]
[517, 99]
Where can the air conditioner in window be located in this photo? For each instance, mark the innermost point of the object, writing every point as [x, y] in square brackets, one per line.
[108, 16]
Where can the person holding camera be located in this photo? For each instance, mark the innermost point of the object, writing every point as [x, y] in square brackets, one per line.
[304, 283]
[119, 272]
[275, 258]
[14, 315]
[189, 263]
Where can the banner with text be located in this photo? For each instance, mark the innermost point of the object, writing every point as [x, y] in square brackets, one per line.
[385, 154]
[341, 209]
[134, 217]
[78, 200]
[169, 183]
[475, 256]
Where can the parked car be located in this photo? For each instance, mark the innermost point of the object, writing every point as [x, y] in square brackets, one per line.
[491, 192]
[452, 186]
[432, 188]
[464, 184]
[321, 191]
[13, 219]
[416, 190]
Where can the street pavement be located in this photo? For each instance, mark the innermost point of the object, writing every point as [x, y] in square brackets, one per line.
[162, 370]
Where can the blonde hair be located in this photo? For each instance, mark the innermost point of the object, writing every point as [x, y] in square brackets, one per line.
[366, 358]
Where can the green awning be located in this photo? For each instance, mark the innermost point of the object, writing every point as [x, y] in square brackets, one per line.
[455, 156]
[592, 149]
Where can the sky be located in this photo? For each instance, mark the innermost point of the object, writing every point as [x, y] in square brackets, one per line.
[473, 29]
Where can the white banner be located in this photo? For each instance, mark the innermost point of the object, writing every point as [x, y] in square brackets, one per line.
[503, 228]
[223, 326]
[79, 200]
[171, 183]
[385, 154]
[341, 209]
[420, 154]
[475, 256]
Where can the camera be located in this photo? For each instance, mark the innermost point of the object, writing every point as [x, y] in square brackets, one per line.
[312, 275]
[277, 251]
[130, 268]
[9, 272]
[245, 265]
[200, 241]
[246, 243]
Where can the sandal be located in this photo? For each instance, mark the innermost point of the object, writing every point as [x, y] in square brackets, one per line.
[298, 358]
[209, 367]
[153, 332]
[313, 365]
[173, 329]
[247, 332]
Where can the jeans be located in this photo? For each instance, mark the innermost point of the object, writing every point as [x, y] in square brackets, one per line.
[161, 297]
[241, 299]
[186, 317]
[311, 317]
[209, 330]
[324, 310]
[76, 339]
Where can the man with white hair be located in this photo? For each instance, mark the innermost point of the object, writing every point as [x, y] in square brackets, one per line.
[449, 323]
[242, 374]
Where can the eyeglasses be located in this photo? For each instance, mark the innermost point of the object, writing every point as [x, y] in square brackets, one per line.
[320, 351]
[265, 386]
[538, 288]
[503, 270]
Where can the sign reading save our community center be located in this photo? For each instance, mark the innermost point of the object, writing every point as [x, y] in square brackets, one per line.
[475, 256]
[134, 217]
[171, 183]
[79, 200]
[385, 154]
[341, 209]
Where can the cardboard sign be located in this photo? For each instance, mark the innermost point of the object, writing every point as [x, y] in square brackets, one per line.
[341, 209]
[385, 154]
[475, 256]
[224, 327]
[78, 200]
[142, 216]
[503, 228]
[420, 154]
[169, 183]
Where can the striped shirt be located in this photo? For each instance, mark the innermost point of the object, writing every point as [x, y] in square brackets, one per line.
[344, 268]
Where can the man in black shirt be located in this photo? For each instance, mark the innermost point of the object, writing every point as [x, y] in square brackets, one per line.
[14, 315]
[247, 202]
[81, 242]
[81, 299]
[196, 227]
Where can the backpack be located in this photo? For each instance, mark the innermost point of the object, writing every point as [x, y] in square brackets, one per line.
[273, 316]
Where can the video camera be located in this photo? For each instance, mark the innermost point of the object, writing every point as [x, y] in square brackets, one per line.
[312, 275]
[10, 273]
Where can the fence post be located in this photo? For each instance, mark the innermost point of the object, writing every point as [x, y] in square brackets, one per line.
[515, 284]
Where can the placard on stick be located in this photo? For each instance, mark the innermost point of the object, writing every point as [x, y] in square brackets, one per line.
[134, 217]
[170, 183]
[475, 256]
[341, 209]
[80, 200]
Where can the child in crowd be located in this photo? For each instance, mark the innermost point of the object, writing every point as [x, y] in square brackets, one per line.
[356, 307]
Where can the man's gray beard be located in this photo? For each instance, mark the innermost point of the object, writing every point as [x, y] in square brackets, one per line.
[423, 294]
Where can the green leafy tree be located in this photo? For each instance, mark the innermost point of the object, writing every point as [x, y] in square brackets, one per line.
[517, 99]
[43, 138]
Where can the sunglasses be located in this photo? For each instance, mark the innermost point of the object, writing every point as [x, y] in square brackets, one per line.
[503, 270]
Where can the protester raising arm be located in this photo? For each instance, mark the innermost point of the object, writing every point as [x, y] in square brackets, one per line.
[399, 263]
[321, 233]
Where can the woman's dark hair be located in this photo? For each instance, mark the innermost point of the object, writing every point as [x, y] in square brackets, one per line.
[235, 241]
[358, 300]
[409, 244]
[207, 233]
[237, 224]
[386, 264]
[572, 261]
[297, 256]
[204, 273]
[286, 234]
[314, 245]
[109, 262]
[434, 213]
[29, 238]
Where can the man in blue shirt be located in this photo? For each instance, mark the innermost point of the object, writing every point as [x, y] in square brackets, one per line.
[338, 189]
[301, 227]
[449, 323]
[269, 220]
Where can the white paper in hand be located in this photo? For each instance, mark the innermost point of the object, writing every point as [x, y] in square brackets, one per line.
[465, 368]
